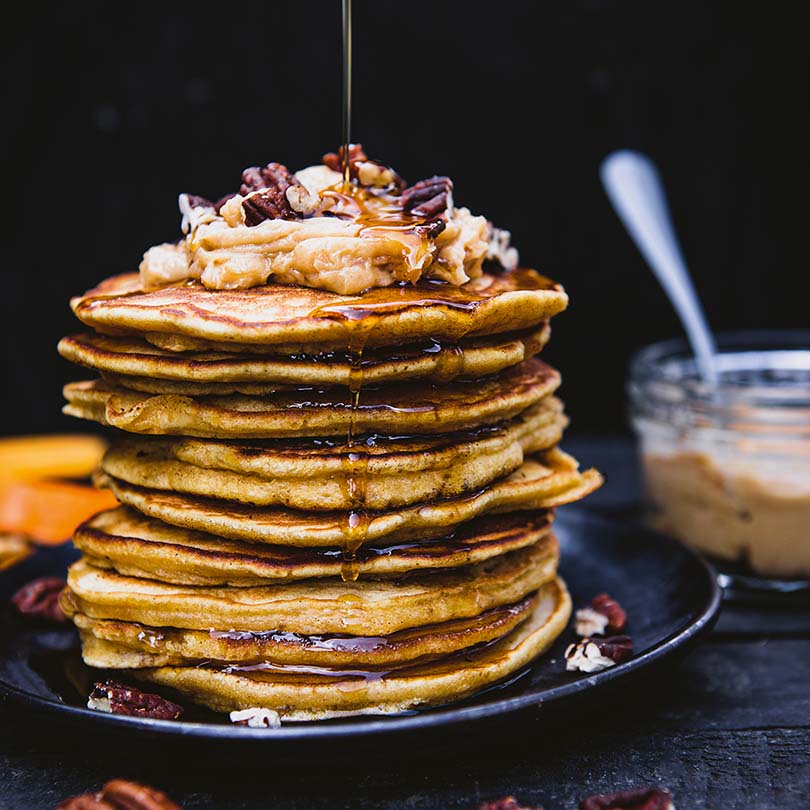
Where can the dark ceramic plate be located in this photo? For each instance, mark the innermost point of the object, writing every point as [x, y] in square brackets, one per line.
[669, 593]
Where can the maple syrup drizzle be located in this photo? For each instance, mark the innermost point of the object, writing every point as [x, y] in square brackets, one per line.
[355, 460]
[347, 90]
[360, 316]
[267, 670]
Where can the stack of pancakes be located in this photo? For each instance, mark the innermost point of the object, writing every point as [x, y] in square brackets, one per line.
[330, 505]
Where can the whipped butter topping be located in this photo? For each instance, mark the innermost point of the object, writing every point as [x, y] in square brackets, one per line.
[315, 231]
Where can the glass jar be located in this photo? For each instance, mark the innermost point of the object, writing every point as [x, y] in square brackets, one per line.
[726, 468]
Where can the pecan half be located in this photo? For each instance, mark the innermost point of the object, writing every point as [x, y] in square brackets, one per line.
[118, 794]
[609, 607]
[117, 698]
[635, 799]
[596, 654]
[265, 192]
[40, 599]
[333, 159]
[507, 803]
[603, 617]
[428, 198]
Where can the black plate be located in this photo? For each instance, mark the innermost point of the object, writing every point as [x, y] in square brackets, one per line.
[670, 595]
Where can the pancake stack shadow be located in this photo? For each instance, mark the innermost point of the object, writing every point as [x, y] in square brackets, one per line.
[329, 505]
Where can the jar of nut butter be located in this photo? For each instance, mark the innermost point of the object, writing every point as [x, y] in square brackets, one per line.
[726, 468]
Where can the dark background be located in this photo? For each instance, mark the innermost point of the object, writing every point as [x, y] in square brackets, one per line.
[112, 109]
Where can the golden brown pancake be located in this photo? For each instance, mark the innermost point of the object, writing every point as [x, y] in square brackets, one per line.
[137, 546]
[314, 695]
[134, 363]
[313, 475]
[115, 644]
[543, 481]
[366, 607]
[392, 410]
[295, 319]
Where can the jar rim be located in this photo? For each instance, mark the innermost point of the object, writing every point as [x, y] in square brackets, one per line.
[757, 369]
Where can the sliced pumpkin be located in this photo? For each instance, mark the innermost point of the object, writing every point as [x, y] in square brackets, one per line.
[48, 512]
[27, 458]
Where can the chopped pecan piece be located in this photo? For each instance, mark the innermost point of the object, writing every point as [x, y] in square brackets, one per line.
[195, 201]
[590, 622]
[607, 606]
[333, 159]
[432, 228]
[372, 173]
[302, 200]
[428, 198]
[118, 794]
[635, 799]
[222, 200]
[195, 210]
[40, 599]
[256, 718]
[604, 617]
[596, 654]
[507, 803]
[117, 698]
[265, 192]
[500, 249]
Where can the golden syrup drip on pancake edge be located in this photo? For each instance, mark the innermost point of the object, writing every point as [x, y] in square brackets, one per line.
[360, 316]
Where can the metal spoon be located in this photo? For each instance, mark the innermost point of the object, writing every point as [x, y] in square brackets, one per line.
[634, 187]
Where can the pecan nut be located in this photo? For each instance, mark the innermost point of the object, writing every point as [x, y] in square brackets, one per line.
[256, 718]
[265, 192]
[608, 606]
[603, 617]
[117, 698]
[432, 228]
[222, 200]
[635, 799]
[196, 201]
[118, 794]
[40, 599]
[302, 200]
[595, 654]
[334, 160]
[196, 211]
[507, 803]
[428, 198]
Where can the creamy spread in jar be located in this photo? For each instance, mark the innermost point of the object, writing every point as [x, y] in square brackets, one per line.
[314, 230]
[734, 511]
[728, 470]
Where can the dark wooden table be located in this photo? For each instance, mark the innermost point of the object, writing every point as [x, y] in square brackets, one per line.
[726, 728]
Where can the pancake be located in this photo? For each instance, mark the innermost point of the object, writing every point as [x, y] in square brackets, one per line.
[543, 481]
[134, 363]
[320, 694]
[393, 410]
[107, 643]
[137, 546]
[313, 607]
[313, 475]
[295, 319]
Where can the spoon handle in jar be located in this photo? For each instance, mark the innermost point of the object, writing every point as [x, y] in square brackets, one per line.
[636, 192]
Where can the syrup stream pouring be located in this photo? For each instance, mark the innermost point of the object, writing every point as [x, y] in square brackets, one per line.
[636, 192]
